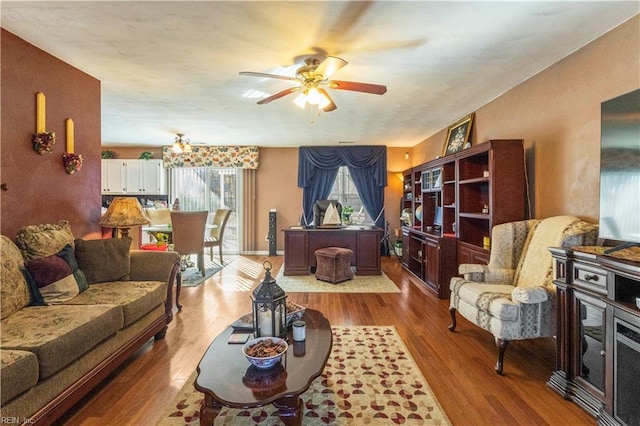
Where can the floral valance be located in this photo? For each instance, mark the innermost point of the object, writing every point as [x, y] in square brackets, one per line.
[237, 157]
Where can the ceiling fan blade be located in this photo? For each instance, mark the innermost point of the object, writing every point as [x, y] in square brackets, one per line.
[354, 86]
[278, 95]
[332, 106]
[330, 66]
[266, 75]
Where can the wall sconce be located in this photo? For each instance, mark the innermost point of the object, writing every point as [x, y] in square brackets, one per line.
[406, 155]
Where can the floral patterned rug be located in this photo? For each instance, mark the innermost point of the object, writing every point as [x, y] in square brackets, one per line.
[370, 378]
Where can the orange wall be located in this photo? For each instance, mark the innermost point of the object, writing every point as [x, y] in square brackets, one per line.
[557, 113]
[38, 188]
[277, 188]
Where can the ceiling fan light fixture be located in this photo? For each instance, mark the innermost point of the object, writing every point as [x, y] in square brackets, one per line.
[311, 96]
[301, 100]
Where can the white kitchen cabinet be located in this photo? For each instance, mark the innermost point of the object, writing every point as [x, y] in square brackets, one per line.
[113, 177]
[133, 177]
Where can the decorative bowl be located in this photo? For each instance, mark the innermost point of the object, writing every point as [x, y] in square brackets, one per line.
[294, 312]
[264, 352]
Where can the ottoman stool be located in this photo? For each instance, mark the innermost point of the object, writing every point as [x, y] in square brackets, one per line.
[333, 264]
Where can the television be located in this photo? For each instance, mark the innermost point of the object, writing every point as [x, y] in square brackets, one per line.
[620, 170]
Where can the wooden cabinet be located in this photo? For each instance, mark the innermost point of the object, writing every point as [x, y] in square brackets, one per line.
[428, 257]
[133, 177]
[469, 253]
[461, 197]
[145, 177]
[598, 336]
[405, 247]
[113, 177]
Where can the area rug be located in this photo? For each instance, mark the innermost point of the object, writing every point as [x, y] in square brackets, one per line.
[359, 284]
[370, 378]
[192, 277]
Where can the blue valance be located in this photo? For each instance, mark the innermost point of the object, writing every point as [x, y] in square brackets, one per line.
[318, 167]
[310, 159]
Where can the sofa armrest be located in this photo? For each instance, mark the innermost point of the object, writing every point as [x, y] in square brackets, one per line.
[537, 294]
[483, 273]
[148, 265]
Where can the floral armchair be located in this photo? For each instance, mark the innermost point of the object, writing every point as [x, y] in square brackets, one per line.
[513, 297]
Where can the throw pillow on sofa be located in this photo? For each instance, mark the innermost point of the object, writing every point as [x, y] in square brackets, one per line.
[57, 277]
[14, 293]
[104, 260]
[43, 240]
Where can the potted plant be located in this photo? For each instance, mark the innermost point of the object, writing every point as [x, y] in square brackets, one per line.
[347, 211]
[107, 154]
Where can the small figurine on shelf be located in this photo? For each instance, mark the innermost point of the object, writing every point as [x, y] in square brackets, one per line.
[176, 205]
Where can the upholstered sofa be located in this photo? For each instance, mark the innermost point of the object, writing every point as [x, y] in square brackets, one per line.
[513, 297]
[73, 311]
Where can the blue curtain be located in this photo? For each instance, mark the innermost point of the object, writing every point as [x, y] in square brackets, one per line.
[318, 168]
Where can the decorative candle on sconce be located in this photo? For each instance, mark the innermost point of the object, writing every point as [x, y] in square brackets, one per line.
[70, 136]
[41, 115]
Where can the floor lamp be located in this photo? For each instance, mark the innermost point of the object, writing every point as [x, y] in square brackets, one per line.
[123, 213]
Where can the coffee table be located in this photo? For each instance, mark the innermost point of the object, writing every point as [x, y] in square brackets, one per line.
[228, 380]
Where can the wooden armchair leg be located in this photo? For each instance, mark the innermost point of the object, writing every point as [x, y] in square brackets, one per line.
[501, 345]
[452, 312]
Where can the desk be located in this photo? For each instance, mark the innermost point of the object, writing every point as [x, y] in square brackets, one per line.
[227, 379]
[301, 244]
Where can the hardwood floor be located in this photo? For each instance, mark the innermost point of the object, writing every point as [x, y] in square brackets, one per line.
[458, 366]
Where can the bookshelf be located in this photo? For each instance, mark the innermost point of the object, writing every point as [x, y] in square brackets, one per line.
[462, 196]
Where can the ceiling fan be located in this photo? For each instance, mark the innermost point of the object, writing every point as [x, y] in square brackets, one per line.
[311, 80]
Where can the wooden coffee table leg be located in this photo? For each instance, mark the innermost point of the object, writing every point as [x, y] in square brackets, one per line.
[290, 410]
[209, 410]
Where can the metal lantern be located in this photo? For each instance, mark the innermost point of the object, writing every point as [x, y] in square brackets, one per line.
[269, 303]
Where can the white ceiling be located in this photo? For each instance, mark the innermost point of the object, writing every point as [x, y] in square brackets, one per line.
[169, 67]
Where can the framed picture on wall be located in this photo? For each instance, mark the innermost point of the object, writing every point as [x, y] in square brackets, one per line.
[458, 135]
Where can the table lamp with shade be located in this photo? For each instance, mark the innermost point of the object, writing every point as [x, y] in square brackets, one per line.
[123, 213]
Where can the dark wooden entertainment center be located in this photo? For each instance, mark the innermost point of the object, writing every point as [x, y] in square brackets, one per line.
[598, 338]
[462, 196]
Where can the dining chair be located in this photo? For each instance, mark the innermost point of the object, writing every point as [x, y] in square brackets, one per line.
[159, 217]
[188, 234]
[217, 231]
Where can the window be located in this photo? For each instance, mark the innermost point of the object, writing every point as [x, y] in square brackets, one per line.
[209, 188]
[346, 193]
